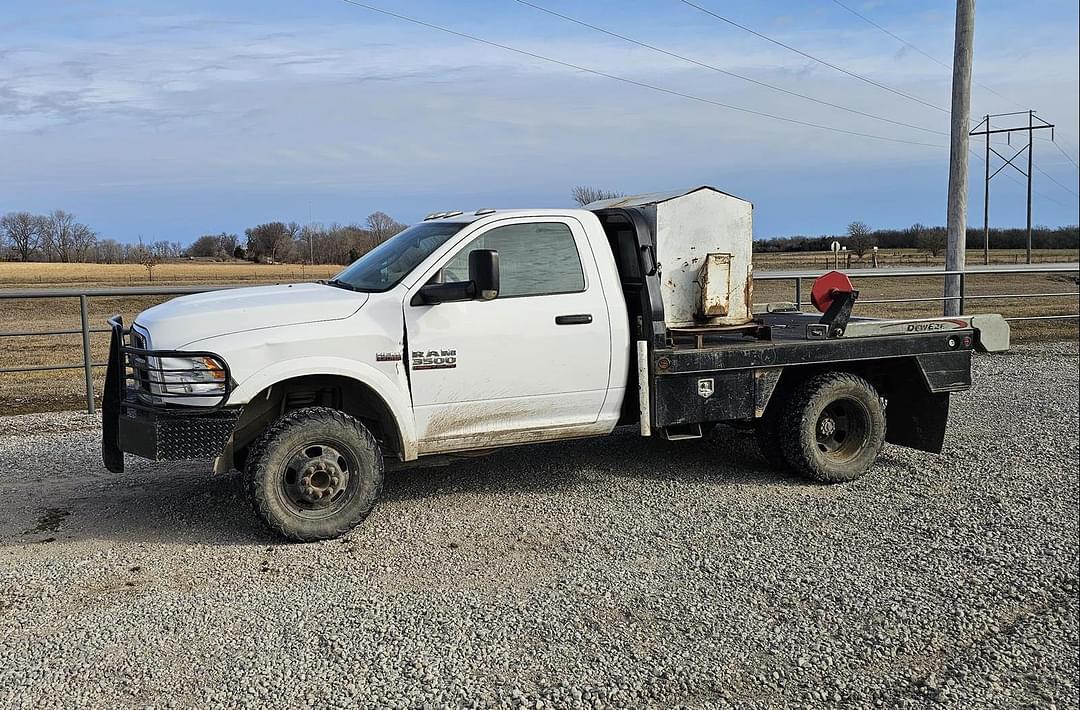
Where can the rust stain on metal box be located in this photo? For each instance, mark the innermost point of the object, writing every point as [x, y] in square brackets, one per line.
[716, 285]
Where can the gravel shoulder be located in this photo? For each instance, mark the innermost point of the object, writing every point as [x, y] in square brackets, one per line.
[617, 572]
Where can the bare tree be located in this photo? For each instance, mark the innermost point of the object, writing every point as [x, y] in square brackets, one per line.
[56, 235]
[136, 253]
[110, 251]
[270, 242]
[22, 231]
[227, 244]
[217, 246]
[149, 261]
[860, 238]
[931, 239]
[382, 226]
[583, 195]
[83, 241]
[335, 243]
[65, 237]
[206, 245]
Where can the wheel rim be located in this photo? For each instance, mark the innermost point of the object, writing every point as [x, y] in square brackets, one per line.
[842, 429]
[319, 479]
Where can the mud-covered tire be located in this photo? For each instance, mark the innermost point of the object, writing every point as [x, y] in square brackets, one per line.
[767, 436]
[833, 427]
[314, 474]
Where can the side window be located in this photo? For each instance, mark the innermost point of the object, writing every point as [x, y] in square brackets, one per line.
[534, 259]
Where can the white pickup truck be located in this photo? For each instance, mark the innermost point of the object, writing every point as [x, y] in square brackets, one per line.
[473, 331]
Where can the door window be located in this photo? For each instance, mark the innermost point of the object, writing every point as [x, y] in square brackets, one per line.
[535, 259]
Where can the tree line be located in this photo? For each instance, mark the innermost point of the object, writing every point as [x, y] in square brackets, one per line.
[860, 238]
[60, 237]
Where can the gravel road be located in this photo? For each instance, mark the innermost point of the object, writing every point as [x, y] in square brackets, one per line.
[613, 573]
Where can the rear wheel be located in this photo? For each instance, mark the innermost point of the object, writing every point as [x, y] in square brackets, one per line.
[314, 474]
[833, 427]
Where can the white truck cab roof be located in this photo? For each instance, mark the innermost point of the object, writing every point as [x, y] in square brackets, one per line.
[467, 217]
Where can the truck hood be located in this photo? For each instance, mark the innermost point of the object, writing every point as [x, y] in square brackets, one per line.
[176, 323]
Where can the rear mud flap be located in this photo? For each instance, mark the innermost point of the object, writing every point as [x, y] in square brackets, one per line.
[917, 419]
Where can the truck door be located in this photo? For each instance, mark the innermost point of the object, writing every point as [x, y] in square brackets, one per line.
[525, 366]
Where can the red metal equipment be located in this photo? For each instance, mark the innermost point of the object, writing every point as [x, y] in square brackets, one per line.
[828, 287]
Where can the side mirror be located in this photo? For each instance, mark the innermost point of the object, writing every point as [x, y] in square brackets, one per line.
[484, 273]
[483, 283]
[433, 294]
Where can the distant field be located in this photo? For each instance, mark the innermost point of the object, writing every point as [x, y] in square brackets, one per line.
[33, 275]
[62, 389]
[56, 390]
[18, 275]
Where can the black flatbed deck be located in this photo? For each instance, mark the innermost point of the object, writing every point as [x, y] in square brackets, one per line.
[728, 375]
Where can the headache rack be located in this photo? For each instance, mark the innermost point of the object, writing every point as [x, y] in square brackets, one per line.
[135, 378]
[142, 417]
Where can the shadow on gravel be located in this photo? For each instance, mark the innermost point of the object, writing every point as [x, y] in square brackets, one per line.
[185, 504]
[175, 505]
[727, 458]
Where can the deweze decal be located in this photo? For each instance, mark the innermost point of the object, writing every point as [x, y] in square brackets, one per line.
[926, 327]
[434, 359]
[387, 357]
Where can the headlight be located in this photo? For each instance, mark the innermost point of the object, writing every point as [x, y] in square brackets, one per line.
[192, 375]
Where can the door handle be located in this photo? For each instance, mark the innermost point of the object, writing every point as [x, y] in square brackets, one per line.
[576, 319]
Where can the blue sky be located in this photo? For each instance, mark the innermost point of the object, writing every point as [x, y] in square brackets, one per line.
[170, 120]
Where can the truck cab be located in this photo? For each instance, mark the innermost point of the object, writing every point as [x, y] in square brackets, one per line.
[468, 332]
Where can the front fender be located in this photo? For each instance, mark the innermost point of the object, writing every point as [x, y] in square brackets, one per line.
[384, 386]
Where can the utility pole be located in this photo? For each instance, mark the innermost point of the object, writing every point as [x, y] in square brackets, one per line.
[985, 129]
[958, 152]
[310, 243]
[986, 198]
[1031, 148]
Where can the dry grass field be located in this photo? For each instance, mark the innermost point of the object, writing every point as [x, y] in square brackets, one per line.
[906, 258]
[33, 275]
[63, 389]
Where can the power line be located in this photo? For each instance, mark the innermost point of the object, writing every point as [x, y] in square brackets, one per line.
[633, 82]
[904, 42]
[1069, 157]
[1012, 178]
[840, 69]
[1054, 180]
[726, 72]
[644, 85]
[901, 40]
[1043, 195]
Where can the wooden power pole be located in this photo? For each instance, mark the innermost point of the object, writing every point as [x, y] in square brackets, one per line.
[958, 152]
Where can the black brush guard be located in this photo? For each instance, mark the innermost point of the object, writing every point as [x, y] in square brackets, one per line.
[139, 416]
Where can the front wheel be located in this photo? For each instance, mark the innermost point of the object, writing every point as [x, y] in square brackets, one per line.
[314, 474]
[833, 427]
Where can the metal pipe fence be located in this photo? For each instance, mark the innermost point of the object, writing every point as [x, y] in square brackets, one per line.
[85, 329]
[797, 278]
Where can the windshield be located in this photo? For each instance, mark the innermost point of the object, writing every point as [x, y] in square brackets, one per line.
[384, 266]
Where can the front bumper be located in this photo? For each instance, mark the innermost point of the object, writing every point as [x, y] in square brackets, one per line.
[154, 425]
